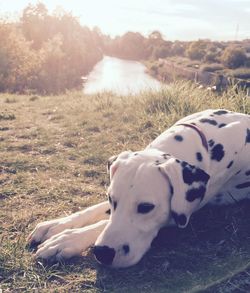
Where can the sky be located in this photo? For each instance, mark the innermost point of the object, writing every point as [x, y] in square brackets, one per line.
[175, 19]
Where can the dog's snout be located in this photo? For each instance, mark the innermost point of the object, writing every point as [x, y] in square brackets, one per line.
[104, 254]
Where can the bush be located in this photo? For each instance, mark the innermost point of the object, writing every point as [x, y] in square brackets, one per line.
[211, 57]
[247, 63]
[233, 57]
[196, 50]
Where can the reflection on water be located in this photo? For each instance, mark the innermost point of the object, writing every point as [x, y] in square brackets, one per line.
[119, 76]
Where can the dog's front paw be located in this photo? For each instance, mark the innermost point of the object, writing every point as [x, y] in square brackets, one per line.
[64, 245]
[46, 230]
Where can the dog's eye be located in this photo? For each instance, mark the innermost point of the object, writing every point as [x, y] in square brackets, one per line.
[144, 208]
[112, 203]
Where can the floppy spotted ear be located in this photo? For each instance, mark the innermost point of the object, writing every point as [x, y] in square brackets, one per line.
[188, 185]
[114, 162]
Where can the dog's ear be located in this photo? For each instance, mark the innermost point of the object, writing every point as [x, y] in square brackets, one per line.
[114, 162]
[111, 160]
[188, 186]
[111, 168]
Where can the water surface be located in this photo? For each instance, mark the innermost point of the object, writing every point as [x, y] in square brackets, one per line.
[119, 76]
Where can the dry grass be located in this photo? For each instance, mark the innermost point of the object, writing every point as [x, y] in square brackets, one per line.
[53, 162]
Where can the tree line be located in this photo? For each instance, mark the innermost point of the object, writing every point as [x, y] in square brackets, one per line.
[46, 53]
[49, 53]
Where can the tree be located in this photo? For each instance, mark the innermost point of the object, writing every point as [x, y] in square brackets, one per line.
[130, 46]
[177, 48]
[197, 50]
[35, 24]
[18, 62]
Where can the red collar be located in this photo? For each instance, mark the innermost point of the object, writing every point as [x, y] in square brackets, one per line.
[199, 131]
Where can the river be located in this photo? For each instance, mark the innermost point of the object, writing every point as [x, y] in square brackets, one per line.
[119, 76]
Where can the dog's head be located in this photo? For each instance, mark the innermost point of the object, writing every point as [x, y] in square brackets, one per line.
[146, 189]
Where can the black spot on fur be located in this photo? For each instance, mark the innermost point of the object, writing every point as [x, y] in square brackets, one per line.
[194, 193]
[230, 164]
[108, 212]
[211, 142]
[220, 112]
[179, 219]
[171, 189]
[166, 156]
[199, 156]
[112, 203]
[209, 121]
[178, 137]
[222, 125]
[177, 161]
[247, 173]
[192, 174]
[193, 123]
[217, 152]
[238, 172]
[125, 249]
[243, 185]
[248, 136]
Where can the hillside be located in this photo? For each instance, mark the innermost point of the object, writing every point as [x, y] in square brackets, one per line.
[54, 151]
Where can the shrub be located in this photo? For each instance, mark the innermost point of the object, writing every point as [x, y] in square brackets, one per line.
[196, 50]
[233, 57]
[211, 57]
[247, 63]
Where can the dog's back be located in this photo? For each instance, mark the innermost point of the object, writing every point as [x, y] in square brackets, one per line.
[227, 157]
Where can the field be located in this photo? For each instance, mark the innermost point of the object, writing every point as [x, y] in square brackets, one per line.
[54, 151]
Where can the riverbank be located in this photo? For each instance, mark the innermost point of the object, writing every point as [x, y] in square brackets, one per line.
[54, 151]
[167, 71]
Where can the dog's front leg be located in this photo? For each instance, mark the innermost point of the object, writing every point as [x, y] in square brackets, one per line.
[47, 229]
[70, 242]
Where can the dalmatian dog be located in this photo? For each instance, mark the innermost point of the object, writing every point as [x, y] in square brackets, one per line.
[203, 158]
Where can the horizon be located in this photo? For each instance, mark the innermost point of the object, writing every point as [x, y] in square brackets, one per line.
[176, 20]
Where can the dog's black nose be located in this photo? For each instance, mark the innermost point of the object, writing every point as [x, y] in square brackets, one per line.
[104, 254]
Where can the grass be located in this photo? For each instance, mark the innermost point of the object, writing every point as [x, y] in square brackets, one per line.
[212, 67]
[53, 162]
[242, 72]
